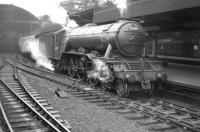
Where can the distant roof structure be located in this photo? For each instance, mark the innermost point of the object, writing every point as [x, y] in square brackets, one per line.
[76, 6]
[82, 10]
[144, 8]
[14, 14]
[15, 22]
[156, 14]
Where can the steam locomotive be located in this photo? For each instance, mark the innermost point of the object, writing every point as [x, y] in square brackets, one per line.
[109, 55]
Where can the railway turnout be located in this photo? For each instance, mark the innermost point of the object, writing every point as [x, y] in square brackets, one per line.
[23, 109]
[160, 114]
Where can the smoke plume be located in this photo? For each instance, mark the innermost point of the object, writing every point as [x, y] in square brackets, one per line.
[33, 46]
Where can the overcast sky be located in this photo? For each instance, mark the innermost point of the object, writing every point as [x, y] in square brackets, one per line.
[41, 7]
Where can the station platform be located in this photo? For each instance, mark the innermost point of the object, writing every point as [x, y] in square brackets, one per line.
[183, 75]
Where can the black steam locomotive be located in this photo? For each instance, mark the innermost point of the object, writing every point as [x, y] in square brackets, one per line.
[109, 54]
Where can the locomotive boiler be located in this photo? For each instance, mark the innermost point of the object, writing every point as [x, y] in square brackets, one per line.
[125, 37]
[112, 50]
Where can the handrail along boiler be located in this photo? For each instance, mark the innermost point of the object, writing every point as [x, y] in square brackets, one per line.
[119, 45]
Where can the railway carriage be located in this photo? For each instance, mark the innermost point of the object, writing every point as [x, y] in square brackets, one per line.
[114, 51]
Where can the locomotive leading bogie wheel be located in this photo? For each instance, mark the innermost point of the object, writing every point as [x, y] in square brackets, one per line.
[152, 88]
[71, 68]
[93, 81]
[122, 88]
[107, 86]
[81, 72]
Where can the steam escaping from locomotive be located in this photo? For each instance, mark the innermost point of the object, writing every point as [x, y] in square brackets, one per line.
[70, 23]
[120, 4]
[32, 46]
[100, 71]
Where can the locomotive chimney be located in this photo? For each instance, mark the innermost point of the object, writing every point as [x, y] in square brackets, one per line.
[108, 50]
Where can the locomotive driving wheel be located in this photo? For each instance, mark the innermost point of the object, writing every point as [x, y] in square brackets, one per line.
[72, 68]
[122, 88]
[81, 72]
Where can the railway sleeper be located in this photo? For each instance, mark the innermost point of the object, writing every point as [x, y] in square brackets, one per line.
[148, 121]
[135, 116]
[90, 98]
[32, 92]
[193, 123]
[49, 108]
[22, 115]
[114, 107]
[19, 90]
[35, 94]
[15, 106]
[53, 112]
[6, 94]
[41, 100]
[10, 103]
[124, 111]
[44, 104]
[15, 111]
[105, 104]
[179, 118]
[38, 97]
[3, 91]
[17, 120]
[27, 125]
[96, 100]
[20, 93]
[160, 127]
[165, 112]
[84, 95]
[56, 115]
[7, 97]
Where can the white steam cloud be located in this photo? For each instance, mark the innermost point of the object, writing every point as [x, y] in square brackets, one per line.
[120, 4]
[70, 23]
[101, 71]
[33, 46]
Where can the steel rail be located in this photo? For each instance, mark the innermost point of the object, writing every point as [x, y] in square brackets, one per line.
[5, 118]
[49, 119]
[49, 116]
[142, 108]
[54, 128]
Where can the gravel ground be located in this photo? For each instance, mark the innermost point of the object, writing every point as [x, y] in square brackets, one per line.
[83, 116]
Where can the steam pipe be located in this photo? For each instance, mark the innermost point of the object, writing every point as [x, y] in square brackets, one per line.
[108, 51]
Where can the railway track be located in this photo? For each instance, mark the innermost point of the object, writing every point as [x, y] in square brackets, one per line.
[154, 113]
[23, 109]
